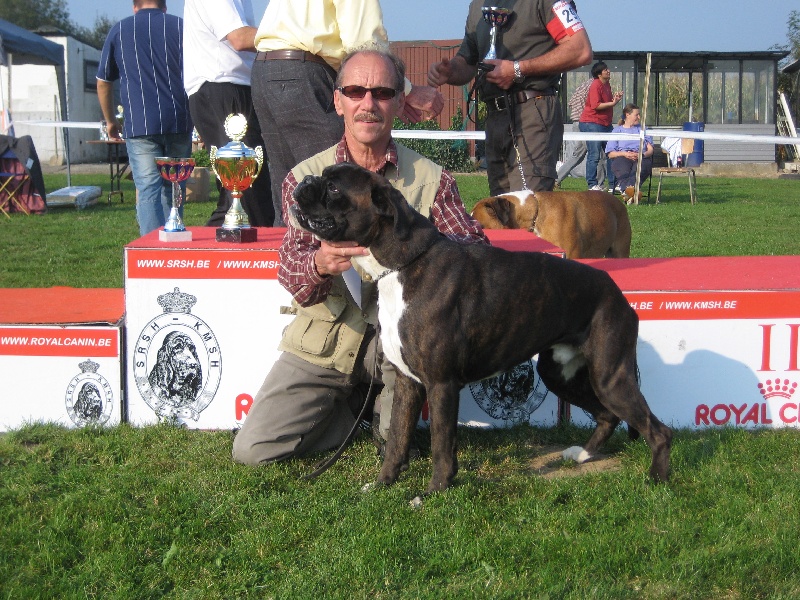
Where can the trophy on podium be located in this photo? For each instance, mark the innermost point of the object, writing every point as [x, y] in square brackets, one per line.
[236, 165]
[175, 170]
[497, 19]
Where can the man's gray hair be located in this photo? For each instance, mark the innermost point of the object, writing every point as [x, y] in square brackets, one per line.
[397, 64]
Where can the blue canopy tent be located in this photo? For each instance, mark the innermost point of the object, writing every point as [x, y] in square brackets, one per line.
[21, 47]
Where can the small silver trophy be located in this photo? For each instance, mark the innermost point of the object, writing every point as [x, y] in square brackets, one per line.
[236, 165]
[497, 18]
[175, 170]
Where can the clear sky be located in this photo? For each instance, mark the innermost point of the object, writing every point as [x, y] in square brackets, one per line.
[613, 25]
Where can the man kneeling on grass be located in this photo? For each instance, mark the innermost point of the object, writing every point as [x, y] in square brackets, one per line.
[311, 398]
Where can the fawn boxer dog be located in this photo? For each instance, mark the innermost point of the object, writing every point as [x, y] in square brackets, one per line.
[588, 224]
[453, 313]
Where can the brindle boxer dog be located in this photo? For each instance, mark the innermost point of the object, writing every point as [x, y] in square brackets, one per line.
[589, 224]
[455, 313]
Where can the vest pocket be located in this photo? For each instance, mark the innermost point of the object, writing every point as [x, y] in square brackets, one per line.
[315, 328]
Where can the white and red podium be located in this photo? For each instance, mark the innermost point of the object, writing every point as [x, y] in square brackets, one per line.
[61, 356]
[718, 337]
[203, 322]
[719, 340]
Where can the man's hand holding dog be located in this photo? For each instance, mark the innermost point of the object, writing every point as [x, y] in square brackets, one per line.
[333, 258]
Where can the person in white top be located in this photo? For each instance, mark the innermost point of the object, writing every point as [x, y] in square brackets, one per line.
[218, 55]
[301, 44]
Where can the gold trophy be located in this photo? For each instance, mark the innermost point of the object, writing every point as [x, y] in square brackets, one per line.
[236, 165]
[175, 170]
[497, 19]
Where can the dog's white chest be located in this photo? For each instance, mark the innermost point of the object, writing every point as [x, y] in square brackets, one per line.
[390, 310]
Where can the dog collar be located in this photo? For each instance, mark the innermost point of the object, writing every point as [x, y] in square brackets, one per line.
[401, 267]
[535, 216]
[384, 274]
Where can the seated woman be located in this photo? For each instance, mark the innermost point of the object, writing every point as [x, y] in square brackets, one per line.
[623, 154]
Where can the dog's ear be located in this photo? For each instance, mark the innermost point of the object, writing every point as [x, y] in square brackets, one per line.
[390, 203]
[505, 212]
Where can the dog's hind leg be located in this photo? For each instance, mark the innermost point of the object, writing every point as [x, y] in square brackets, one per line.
[406, 407]
[572, 385]
[620, 394]
[658, 436]
[611, 356]
[606, 422]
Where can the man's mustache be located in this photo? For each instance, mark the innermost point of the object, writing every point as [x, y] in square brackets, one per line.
[368, 117]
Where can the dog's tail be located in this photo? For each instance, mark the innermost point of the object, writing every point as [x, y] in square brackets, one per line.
[633, 434]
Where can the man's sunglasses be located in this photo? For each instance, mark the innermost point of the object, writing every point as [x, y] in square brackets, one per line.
[357, 92]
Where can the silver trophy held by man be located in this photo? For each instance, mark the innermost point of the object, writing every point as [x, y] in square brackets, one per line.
[236, 165]
[497, 18]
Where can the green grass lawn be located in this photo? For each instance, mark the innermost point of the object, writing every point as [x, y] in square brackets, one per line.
[83, 248]
[160, 512]
[163, 512]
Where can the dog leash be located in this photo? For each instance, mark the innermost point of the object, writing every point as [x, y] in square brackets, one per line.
[472, 99]
[323, 466]
[514, 139]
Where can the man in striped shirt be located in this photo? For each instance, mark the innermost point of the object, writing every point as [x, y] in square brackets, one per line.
[145, 53]
[311, 398]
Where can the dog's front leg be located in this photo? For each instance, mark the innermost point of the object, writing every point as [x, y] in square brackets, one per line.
[443, 406]
[406, 406]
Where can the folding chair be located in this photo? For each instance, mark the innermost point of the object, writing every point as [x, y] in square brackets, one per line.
[687, 147]
[13, 177]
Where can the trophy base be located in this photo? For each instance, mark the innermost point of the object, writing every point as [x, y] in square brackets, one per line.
[174, 236]
[237, 236]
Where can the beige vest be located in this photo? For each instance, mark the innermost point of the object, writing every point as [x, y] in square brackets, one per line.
[329, 334]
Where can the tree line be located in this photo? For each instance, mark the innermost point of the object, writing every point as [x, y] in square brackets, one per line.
[35, 14]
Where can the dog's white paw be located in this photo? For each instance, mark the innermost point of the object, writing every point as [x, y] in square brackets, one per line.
[416, 502]
[576, 453]
[368, 487]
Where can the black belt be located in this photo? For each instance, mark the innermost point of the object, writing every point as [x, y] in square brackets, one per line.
[300, 55]
[519, 97]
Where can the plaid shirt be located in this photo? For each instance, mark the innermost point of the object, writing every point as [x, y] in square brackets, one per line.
[298, 273]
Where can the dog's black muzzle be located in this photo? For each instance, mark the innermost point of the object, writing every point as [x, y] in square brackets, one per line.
[310, 211]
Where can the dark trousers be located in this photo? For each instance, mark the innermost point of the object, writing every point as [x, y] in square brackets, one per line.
[294, 102]
[625, 171]
[539, 131]
[209, 107]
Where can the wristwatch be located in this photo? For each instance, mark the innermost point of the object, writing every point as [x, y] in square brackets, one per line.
[518, 76]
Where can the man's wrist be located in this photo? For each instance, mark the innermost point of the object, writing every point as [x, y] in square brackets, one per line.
[518, 76]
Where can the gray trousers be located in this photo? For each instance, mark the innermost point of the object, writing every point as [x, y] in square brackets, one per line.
[302, 408]
[294, 103]
[577, 156]
[573, 160]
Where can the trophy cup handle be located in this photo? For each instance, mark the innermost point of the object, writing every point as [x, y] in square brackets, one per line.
[259, 159]
[212, 157]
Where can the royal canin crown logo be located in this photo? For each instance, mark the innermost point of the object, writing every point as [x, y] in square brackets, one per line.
[778, 387]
